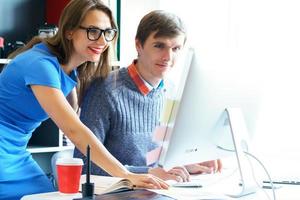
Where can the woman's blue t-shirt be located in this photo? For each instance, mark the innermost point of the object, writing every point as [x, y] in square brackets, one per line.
[21, 114]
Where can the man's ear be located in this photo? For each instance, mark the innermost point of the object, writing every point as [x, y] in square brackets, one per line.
[138, 46]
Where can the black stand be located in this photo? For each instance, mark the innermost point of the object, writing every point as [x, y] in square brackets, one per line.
[88, 187]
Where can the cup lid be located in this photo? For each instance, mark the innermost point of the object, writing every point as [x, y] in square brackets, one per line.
[69, 161]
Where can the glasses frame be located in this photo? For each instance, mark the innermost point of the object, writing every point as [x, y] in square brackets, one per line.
[102, 31]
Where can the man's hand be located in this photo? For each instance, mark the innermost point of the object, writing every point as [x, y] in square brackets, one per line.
[179, 174]
[208, 167]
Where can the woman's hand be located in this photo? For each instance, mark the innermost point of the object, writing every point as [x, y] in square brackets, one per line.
[147, 181]
[205, 167]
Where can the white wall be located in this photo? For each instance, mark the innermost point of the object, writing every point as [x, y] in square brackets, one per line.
[263, 35]
[132, 12]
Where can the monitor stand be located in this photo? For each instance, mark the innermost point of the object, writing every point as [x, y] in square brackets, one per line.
[239, 135]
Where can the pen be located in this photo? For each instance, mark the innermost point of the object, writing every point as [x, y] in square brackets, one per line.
[88, 170]
[88, 187]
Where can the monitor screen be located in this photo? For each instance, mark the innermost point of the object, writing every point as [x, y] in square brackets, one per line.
[213, 116]
[198, 124]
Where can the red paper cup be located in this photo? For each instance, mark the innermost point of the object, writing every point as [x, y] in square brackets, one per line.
[68, 173]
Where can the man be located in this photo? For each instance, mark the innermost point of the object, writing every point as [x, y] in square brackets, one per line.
[124, 109]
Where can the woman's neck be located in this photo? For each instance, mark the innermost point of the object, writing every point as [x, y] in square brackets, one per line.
[70, 66]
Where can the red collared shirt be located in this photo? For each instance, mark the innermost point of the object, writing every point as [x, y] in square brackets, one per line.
[137, 79]
[142, 85]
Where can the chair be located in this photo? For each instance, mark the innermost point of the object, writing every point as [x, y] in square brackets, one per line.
[68, 153]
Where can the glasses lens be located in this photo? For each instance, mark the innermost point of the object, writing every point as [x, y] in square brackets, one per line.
[109, 34]
[94, 34]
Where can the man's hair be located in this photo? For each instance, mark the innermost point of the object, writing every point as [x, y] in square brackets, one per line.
[163, 23]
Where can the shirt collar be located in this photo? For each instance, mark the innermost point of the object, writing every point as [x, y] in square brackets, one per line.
[143, 86]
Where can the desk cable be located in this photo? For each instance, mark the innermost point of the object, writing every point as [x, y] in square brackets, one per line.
[262, 165]
[266, 171]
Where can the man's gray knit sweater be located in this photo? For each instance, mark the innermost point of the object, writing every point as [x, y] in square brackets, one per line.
[122, 118]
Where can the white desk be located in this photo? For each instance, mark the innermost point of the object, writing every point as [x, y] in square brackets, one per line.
[51, 196]
[287, 192]
[215, 186]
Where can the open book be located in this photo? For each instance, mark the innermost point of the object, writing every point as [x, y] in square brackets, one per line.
[107, 184]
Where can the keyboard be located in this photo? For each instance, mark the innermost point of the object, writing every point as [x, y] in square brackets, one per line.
[284, 181]
[290, 179]
[191, 184]
[198, 181]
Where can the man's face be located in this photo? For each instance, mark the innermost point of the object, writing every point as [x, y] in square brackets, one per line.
[158, 56]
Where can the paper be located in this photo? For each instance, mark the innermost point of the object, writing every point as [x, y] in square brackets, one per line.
[159, 134]
[106, 184]
[167, 110]
[192, 194]
[153, 156]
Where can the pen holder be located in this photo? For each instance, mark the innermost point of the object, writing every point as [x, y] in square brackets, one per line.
[87, 189]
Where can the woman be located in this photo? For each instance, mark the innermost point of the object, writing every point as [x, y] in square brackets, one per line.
[34, 86]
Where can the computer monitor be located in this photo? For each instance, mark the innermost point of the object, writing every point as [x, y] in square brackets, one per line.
[213, 111]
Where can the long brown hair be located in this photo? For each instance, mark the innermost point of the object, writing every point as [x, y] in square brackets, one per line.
[70, 19]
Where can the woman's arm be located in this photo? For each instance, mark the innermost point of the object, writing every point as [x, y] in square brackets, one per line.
[72, 99]
[59, 110]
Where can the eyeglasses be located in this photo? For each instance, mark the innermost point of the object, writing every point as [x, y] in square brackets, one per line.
[94, 34]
